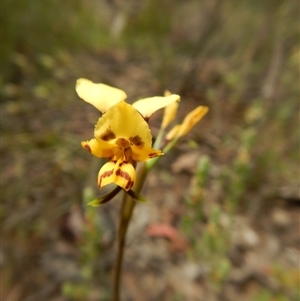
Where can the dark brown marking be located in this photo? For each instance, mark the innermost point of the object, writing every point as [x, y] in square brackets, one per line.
[127, 177]
[123, 174]
[137, 140]
[88, 148]
[105, 175]
[152, 155]
[123, 143]
[129, 185]
[108, 135]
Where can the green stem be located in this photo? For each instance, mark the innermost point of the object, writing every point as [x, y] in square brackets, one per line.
[126, 213]
[127, 210]
[159, 138]
[150, 163]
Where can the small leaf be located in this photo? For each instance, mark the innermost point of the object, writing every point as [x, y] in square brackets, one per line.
[106, 198]
[137, 197]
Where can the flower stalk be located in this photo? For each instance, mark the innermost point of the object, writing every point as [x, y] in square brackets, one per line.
[128, 204]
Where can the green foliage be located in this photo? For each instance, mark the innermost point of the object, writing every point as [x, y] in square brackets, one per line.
[153, 20]
[260, 147]
[210, 246]
[89, 249]
[50, 26]
[75, 291]
[266, 295]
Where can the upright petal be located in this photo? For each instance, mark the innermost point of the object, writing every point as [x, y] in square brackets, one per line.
[100, 96]
[191, 120]
[124, 121]
[148, 106]
[169, 114]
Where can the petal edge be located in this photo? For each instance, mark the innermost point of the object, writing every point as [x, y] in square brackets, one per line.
[101, 96]
[148, 106]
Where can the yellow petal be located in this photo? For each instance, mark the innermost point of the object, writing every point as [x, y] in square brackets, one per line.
[148, 106]
[173, 132]
[99, 148]
[124, 121]
[125, 174]
[100, 96]
[106, 174]
[121, 173]
[169, 114]
[145, 153]
[191, 120]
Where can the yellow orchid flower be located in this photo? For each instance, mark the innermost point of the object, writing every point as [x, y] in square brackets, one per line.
[122, 133]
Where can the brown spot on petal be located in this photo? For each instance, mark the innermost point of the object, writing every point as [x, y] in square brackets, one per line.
[108, 135]
[87, 147]
[152, 155]
[123, 143]
[136, 140]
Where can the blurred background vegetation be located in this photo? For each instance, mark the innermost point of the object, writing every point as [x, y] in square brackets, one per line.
[231, 189]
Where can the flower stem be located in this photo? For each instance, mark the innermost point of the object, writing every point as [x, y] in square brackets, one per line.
[125, 216]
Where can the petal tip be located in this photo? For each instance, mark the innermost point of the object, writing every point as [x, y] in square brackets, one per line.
[86, 146]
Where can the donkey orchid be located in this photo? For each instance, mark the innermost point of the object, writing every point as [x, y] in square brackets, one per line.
[122, 133]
